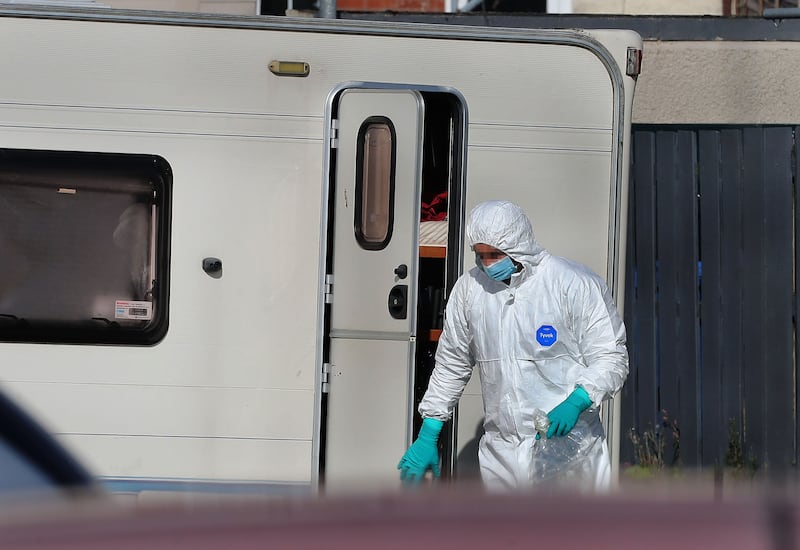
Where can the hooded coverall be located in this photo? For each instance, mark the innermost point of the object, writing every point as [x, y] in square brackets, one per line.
[552, 328]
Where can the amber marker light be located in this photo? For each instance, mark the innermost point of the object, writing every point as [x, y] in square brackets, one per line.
[289, 68]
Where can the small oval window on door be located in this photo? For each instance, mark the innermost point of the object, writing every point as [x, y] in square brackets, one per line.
[375, 169]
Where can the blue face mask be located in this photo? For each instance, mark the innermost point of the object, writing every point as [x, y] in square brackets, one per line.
[502, 270]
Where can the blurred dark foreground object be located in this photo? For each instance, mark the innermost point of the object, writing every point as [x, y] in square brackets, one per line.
[31, 461]
[445, 518]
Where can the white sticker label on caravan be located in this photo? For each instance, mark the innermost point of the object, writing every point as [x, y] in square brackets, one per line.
[128, 309]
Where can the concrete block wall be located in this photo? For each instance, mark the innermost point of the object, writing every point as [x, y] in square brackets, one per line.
[227, 7]
[718, 82]
[649, 7]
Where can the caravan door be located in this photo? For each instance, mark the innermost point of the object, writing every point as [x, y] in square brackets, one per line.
[376, 166]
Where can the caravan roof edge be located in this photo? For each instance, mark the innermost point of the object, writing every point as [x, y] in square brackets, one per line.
[298, 24]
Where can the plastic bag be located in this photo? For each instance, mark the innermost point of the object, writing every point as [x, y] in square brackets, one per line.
[563, 461]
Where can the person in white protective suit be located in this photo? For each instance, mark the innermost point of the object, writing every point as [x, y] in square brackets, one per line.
[544, 334]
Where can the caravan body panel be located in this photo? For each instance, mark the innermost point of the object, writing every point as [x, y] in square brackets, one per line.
[233, 391]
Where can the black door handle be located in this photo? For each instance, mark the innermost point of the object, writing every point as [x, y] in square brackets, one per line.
[398, 298]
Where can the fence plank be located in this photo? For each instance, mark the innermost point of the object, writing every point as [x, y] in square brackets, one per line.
[713, 425]
[778, 367]
[665, 272]
[796, 298]
[730, 282]
[643, 382]
[677, 284]
[686, 329]
[753, 292]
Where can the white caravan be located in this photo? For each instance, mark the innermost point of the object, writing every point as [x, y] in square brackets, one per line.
[225, 243]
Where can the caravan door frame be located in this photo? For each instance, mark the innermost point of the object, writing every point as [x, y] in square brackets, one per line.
[454, 262]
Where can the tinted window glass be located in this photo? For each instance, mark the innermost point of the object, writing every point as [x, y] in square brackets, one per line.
[375, 183]
[84, 241]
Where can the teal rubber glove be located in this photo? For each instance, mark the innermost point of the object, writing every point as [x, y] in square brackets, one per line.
[565, 415]
[423, 454]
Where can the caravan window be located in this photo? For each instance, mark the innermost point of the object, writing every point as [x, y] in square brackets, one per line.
[375, 165]
[84, 242]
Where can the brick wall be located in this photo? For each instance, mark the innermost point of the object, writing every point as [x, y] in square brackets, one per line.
[391, 5]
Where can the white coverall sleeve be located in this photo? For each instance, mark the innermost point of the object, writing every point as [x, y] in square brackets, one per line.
[454, 360]
[602, 341]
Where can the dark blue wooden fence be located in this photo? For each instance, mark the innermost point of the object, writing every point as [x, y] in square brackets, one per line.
[710, 299]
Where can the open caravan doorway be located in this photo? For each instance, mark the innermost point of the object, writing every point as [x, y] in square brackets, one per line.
[396, 174]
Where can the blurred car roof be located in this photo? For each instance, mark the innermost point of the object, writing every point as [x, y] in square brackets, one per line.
[49, 501]
[446, 518]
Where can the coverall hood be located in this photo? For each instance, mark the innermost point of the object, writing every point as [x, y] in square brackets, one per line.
[504, 225]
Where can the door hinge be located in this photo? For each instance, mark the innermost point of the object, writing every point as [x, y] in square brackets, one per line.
[329, 288]
[326, 371]
[334, 133]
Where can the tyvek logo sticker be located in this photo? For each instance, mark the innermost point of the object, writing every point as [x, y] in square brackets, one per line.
[546, 335]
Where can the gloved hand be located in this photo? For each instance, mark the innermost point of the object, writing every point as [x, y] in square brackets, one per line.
[565, 415]
[422, 454]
